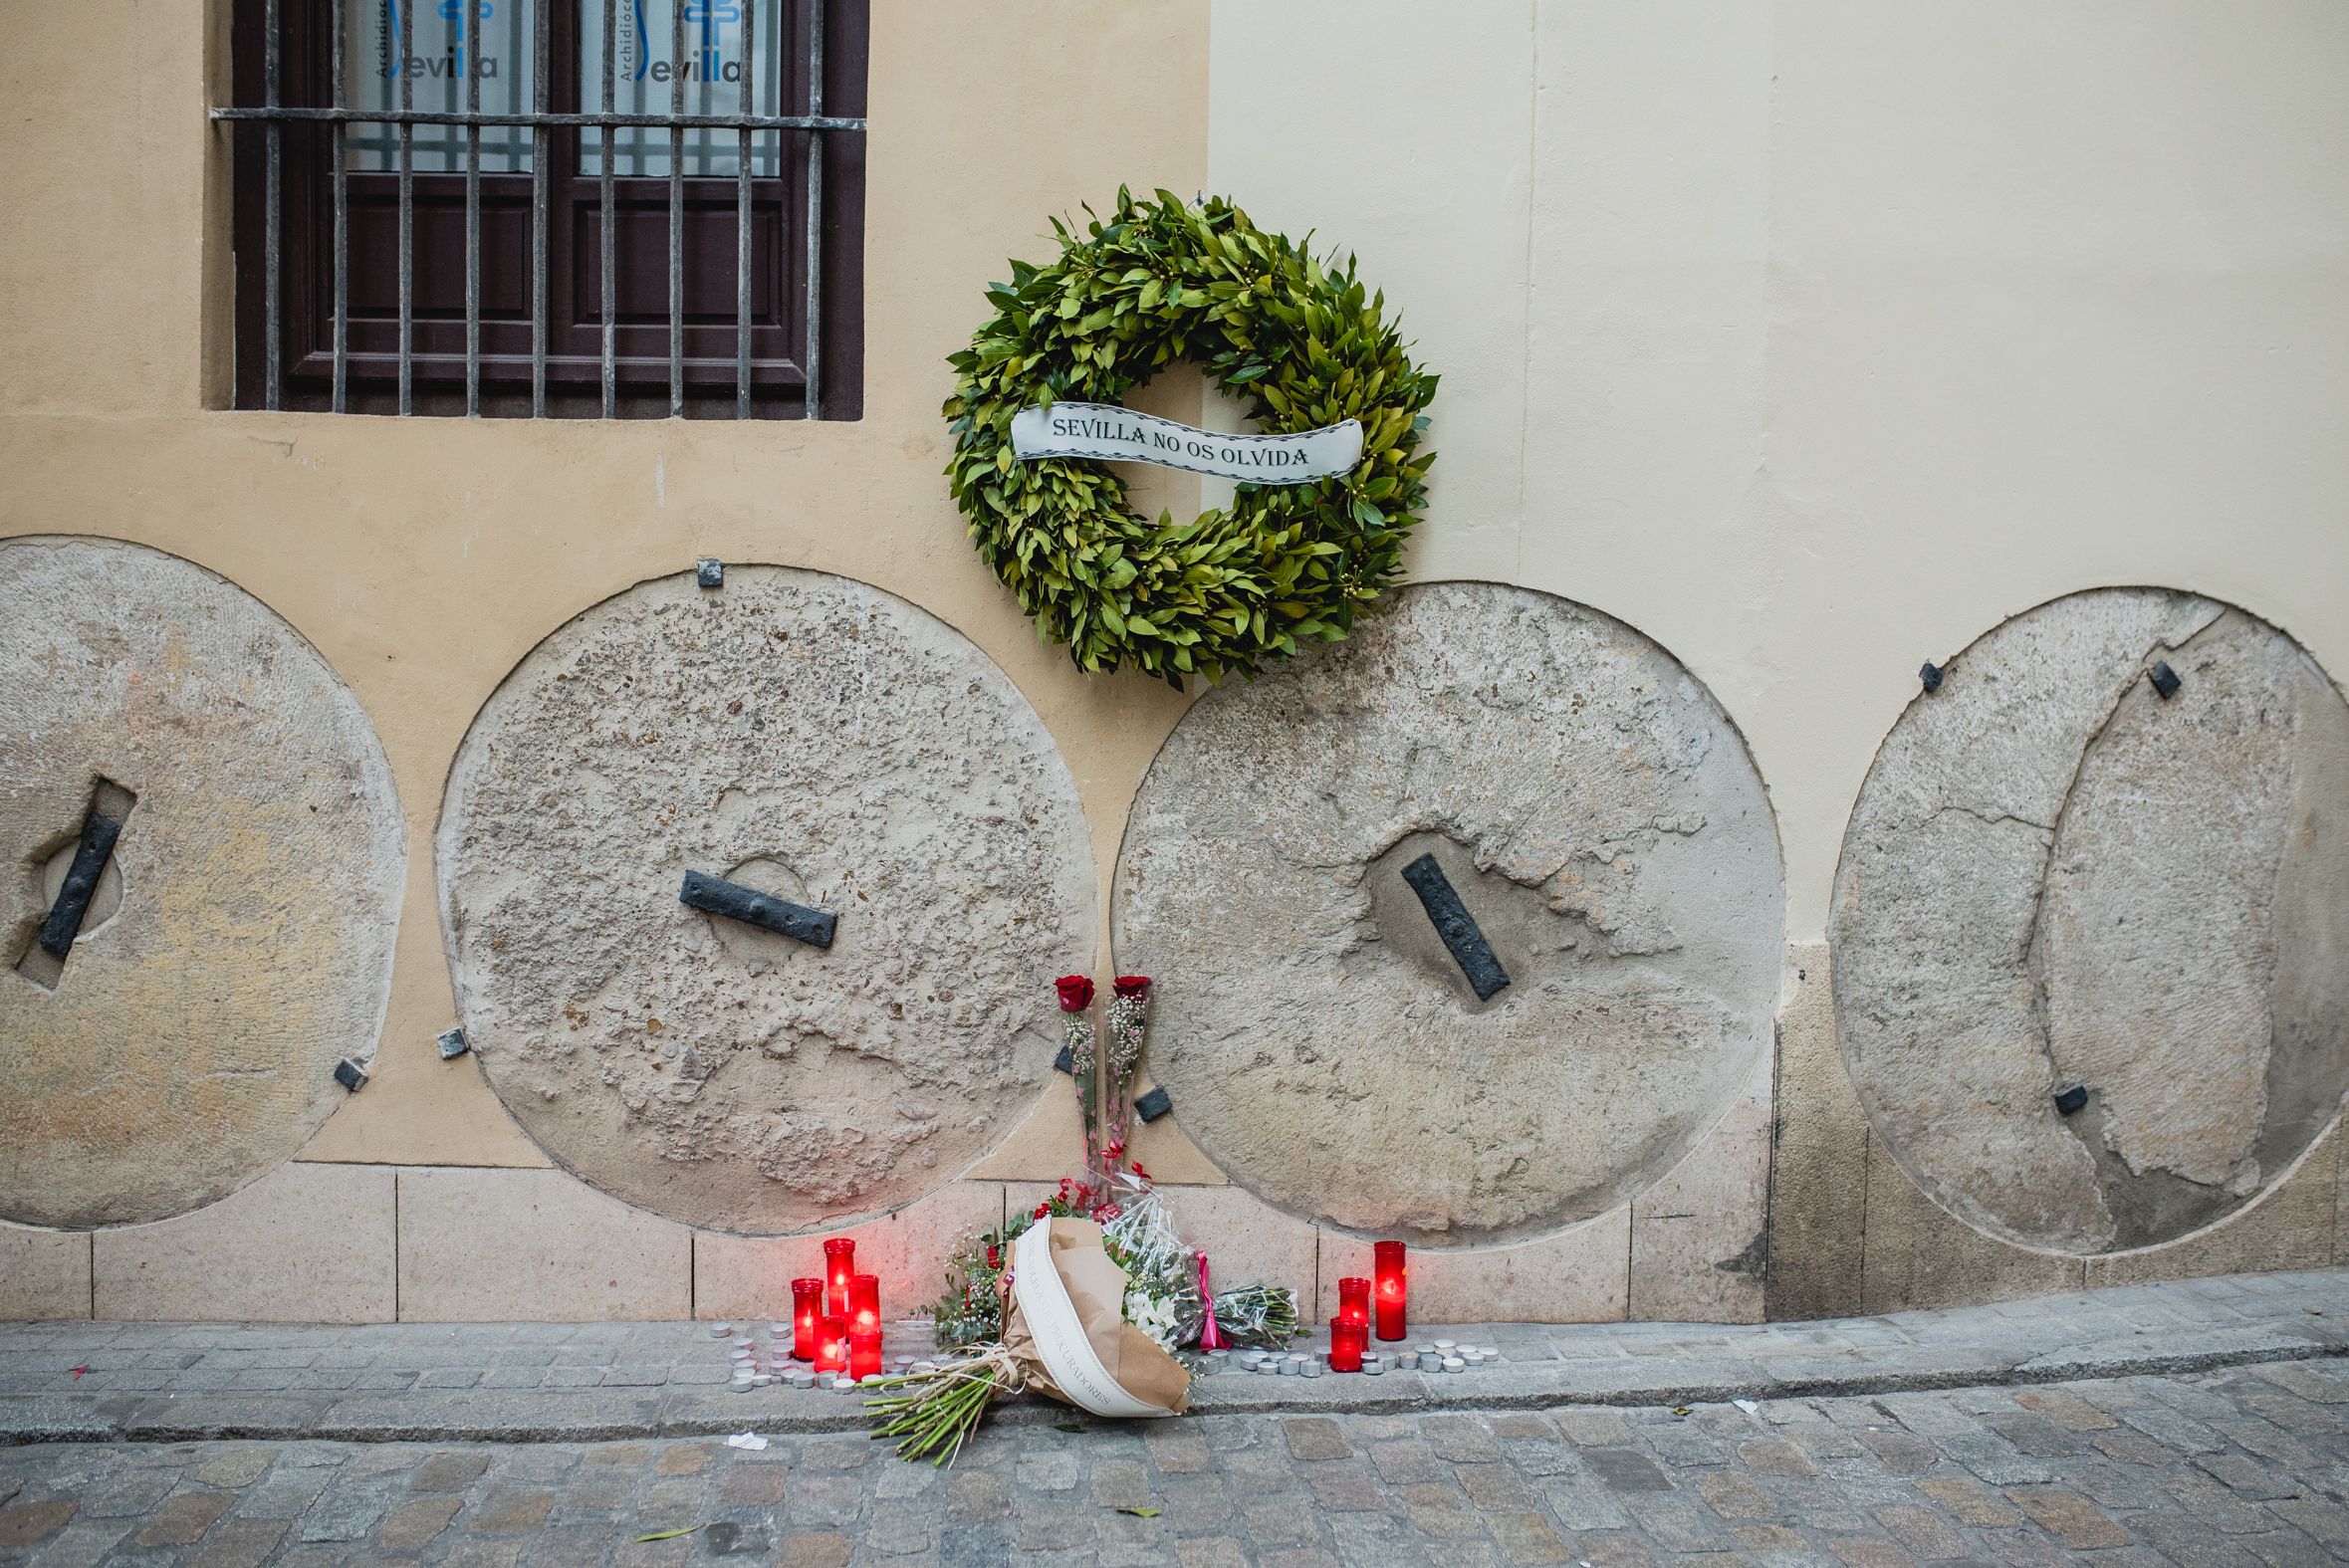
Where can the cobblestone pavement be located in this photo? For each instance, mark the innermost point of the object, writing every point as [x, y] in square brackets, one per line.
[2249, 1465]
[586, 1381]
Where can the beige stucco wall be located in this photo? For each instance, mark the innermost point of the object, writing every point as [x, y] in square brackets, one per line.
[425, 556]
[1811, 340]
[1815, 340]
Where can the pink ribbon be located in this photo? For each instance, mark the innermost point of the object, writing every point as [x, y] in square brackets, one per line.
[1209, 1337]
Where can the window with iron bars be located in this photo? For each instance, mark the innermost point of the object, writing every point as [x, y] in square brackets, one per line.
[550, 208]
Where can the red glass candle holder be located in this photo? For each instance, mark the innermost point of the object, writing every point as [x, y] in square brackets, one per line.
[840, 1267]
[864, 1352]
[1353, 1299]
[831, 1343]
[1348, 1337]
[864, 1303]
[1394, 1290]
[807, 1308]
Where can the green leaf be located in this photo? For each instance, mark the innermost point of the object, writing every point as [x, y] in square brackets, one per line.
[1071, 1426]
[1131, 291]
[1142, 1513]
[669, 1535]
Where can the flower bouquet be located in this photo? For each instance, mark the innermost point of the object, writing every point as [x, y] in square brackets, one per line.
[1082, 1301]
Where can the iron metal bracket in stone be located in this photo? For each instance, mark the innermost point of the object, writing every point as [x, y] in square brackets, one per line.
[710, 573]
[1153, 1105]
[1457, 927]
[351, 1076]
[2164, 680]
[2069, 1100]
[1931, 675]
[452, 1043]
[110, 806]
[717, 896]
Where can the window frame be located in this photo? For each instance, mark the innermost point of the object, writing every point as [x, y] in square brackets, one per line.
[642, 205]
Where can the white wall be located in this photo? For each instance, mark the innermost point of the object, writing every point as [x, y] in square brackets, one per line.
[1814, 339]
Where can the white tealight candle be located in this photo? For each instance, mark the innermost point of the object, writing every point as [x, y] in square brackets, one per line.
[721, 1330]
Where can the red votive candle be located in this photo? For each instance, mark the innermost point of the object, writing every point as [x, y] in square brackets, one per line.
[839, 1264]
[864, 1352]
[831, 1343]
[807, 1308]
[1395, 1292]
[1353, 1300]
[864, 1303]
[1347, 1338]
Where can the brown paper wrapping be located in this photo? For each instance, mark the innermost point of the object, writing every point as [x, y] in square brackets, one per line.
[1096, 1289]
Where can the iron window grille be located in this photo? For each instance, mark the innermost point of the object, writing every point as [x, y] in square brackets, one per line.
[573, 207]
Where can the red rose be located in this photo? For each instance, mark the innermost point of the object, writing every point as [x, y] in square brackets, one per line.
[1132, 986]
[1076, 993]
[1042, 1208]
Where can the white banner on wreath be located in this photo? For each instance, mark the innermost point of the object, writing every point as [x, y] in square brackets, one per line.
[1109, 435]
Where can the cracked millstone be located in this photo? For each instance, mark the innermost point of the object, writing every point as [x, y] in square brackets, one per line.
[2053, 876]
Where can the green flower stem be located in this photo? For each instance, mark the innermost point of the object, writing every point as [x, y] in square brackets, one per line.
[935, 1413]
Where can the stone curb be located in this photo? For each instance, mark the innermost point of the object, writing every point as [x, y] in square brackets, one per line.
[594, 1416]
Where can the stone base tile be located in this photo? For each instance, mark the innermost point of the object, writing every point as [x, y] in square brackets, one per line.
[749, 1277]
[1246, 1240]
[1165, 1150]
[1918, 1255]
[2289, 1226]
[1579, 1275]
[307, 1244]
[1050, 1144]
[505, 1246]
[43, 1273]
[1699, 1238]
[1820, 1166]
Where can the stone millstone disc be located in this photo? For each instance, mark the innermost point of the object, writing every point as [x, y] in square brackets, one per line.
[239, 944]
[814, 739]
[1595, 814]
[2055, 876]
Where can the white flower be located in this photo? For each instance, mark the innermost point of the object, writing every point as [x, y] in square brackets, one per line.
[1153, 1316]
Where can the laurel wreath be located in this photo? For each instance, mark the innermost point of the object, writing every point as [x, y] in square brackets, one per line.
[1164, 281]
